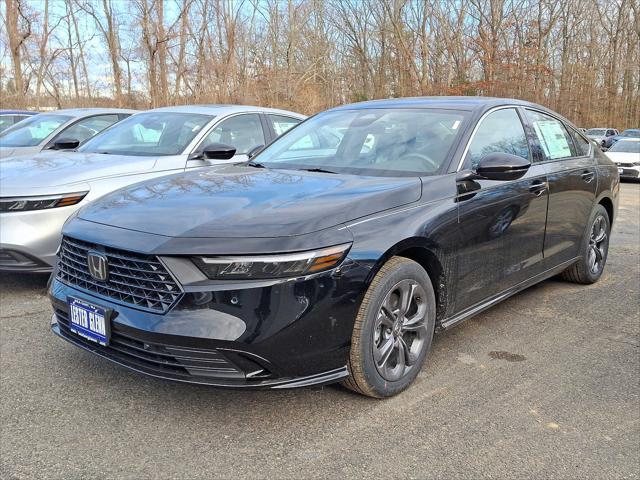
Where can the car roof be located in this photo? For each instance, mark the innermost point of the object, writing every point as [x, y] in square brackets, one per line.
[17, 112]
[601, 128]
[629, 139]
[221, 109]
[87, 112]
[468, 103]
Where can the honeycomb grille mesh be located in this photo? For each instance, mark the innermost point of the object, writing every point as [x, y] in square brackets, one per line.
[134, 279]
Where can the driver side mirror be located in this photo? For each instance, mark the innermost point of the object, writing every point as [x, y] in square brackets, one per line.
[66, 144]
[497, 166]
[218, 151]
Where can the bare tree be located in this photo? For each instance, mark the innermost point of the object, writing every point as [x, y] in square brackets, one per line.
[580, 57]
[18, 31]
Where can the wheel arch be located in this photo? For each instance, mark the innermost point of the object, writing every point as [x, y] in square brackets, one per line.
[607, 203]
[429, 257]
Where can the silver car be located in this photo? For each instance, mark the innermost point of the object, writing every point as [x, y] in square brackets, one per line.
[62, 129]
[38, 193]
[599, 135]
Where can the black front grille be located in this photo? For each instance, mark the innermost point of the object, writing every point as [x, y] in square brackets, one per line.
[134, 279]
[163, 360]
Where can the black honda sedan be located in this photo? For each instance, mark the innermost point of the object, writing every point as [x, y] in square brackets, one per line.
[337, 251]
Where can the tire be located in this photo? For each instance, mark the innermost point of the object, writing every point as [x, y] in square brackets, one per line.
[593, 248]
[409, 333]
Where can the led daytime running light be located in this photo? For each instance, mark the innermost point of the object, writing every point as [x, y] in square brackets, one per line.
[272, 266]
[22, 204]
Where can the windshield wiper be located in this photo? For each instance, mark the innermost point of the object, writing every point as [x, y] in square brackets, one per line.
[255, 165]
[319, 170]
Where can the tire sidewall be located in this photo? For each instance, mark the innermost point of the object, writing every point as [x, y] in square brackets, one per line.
[599, 210]
[405, 270]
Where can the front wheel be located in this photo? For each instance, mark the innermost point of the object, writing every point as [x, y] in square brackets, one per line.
[393, 330]
[593, 251]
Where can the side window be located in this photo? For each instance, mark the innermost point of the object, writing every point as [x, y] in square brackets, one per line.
[242, 132]
[5, 122]
[89, 127]
[281, 123]
[582, 145]
[552, 135]
[500, 131]
[610, 132]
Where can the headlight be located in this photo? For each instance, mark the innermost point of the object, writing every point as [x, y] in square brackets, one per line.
[22, 204]
[262, 267]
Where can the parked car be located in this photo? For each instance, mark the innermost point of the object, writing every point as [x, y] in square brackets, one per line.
[8, 118]
[315, 262]
[40, 192]
[59, 130]
[599, 135]
[629, 133]
[625, 153]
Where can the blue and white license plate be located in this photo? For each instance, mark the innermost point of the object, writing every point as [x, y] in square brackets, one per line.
[89, 321]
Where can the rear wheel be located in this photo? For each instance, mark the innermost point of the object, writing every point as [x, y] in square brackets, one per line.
[593, 251]
[393, 330]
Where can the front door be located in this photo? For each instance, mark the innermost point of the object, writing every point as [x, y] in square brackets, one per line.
[501, 223]
[243, 132]
[571, 172]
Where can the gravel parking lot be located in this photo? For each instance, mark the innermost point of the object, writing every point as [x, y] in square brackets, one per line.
[547, 384]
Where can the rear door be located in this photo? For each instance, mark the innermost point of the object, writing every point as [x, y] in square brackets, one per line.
[571, 173]
[501, 223]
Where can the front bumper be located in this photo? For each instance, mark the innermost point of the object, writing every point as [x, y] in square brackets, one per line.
[132, 359]
[629, 171]
[290, 334]
[29, 240]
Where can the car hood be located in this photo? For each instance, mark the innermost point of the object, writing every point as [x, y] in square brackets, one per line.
[49, 169]
[17, 151]
[623, 157]
[240, 201]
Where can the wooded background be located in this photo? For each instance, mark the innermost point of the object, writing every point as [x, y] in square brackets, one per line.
[579, 57]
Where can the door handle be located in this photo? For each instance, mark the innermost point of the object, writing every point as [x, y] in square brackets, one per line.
[588, 176]
[538, 187]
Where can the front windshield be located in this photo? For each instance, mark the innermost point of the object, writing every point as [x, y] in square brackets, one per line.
[32, 131]
[631, 133]
[595, 131]
[626, 146]
[149, 134]
[382, 142]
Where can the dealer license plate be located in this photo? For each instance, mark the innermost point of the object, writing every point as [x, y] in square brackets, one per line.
[89, 321]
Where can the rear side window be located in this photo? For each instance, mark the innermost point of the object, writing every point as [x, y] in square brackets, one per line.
[281, 123]
[500, 131]
[582, 145]
[552, 135]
